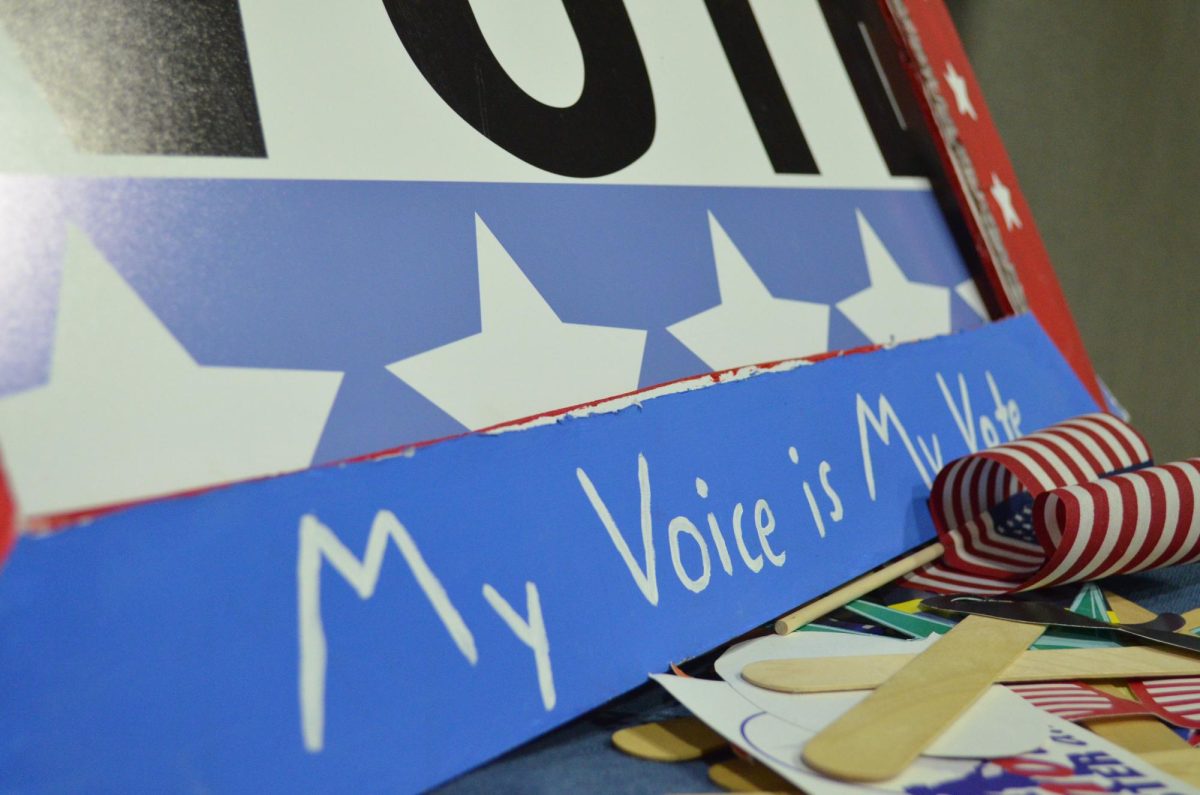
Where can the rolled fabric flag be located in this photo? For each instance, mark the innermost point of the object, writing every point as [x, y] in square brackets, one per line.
[1077, 501]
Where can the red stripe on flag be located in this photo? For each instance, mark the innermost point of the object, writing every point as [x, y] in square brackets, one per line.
[1093, 467]
[1158, 483]
[1132, 442]
[1177, 509]
[1176, 701]
[1132, 536]
[1101, 435]
[1077, 701]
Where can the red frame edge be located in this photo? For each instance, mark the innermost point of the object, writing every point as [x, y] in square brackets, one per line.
[8, 516]
[1015, 262]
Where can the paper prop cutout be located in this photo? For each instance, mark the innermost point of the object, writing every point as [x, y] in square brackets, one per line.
[1049, 615]
[1069, 759]
[1077, 501]
[923, 624]
[1076, 701]
[1091, 602]
[915, 625]
[1176, 701]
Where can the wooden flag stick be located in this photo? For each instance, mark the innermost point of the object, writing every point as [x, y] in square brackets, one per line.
[881, 735]
[856, 588]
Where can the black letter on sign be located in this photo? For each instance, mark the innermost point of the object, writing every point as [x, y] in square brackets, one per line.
[761, 87]
[127, 77]
[610, 126]
[873, 63]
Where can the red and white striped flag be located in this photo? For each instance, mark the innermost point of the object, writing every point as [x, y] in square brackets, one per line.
[1077, 701]
[1076, 501]
[1176, 701]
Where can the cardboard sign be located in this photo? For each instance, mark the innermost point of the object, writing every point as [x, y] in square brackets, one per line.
[317, 232]
[390, 623]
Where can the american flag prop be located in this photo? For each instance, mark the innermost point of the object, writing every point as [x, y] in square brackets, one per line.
[1077, 501]
[1176, 701]
[1076, 701]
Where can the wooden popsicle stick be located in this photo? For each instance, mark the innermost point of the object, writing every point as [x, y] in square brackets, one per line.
[1140, 734]
[744, 775]
[674, 740]
[862, 586]
[879, 737]
[826, 674]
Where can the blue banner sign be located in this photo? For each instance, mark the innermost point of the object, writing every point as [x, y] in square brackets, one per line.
[389, 624]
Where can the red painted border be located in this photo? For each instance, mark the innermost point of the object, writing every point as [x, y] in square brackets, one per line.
[8, 516]
[1006, 239]
[64, 521]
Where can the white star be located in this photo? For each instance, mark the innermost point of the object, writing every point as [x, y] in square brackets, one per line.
[893, 308]
[525, 360]
[968, 291]
[750, 325]
[1003, 198]
[958, 87]
[127, 412]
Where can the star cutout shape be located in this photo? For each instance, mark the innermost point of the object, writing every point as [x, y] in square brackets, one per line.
[524, 360]
[893, 308]
[1003, 198]
[958, 87]
[127, 413]
[750, 325]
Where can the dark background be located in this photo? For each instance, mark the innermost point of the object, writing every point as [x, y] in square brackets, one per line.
[1098, 103]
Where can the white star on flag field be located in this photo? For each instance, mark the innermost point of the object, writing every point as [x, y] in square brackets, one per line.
[750, 325]
[894, 308]
[524, 360]
[121, 386]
